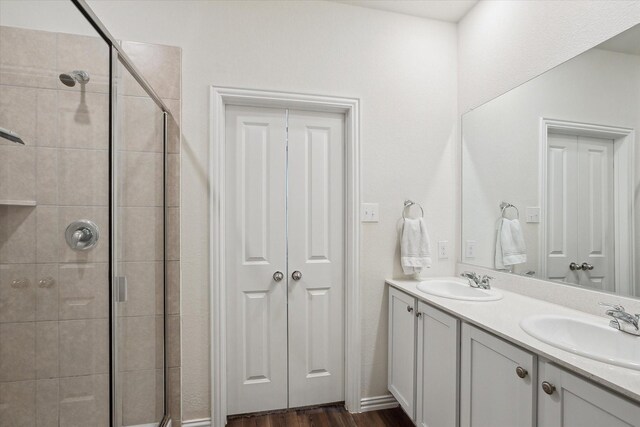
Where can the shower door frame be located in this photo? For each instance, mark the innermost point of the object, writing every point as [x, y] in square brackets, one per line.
[118, 57]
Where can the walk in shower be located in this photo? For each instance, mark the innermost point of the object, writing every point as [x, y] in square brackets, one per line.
[84, 252]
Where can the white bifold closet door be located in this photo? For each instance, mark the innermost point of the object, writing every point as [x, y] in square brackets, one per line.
[284, 204]
[580, 210]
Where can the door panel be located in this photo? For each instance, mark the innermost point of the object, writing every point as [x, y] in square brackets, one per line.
[596, 204]
[437, 368]
[491, 394]
[562, 201]
[316, 249]
[402, 345]
[579, 403]
[255, 242]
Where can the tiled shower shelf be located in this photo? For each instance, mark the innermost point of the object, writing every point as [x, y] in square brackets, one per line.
[17, 202]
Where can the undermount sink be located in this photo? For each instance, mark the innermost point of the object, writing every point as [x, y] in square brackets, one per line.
[455, 288]
[586, 338]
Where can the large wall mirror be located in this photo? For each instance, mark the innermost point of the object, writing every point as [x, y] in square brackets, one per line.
[550, 182]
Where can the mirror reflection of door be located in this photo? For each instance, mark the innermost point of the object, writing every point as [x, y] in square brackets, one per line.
[580, 210]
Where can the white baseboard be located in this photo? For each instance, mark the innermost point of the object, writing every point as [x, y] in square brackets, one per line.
[367, 404]
[377, 403]
[204, 422]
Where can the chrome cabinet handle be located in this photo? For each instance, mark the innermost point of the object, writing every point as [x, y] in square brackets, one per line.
[548, 388]
[296, 275]
[574, 266]
[521, 372]
[586, 266]
[278, 276]
[409, 308]
[418, 314]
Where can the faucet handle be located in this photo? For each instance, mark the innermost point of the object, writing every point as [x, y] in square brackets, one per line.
[616, 307]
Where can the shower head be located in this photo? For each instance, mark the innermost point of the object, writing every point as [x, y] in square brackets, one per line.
[11, 136]
[77, 76]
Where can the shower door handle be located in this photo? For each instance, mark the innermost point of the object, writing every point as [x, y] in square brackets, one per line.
[120, 288]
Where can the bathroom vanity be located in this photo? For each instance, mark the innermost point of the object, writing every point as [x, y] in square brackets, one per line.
[464, 362]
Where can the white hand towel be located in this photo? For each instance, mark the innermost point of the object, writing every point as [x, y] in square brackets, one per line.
[415, 248]
[510, 246]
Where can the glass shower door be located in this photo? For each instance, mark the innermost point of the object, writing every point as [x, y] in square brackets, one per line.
[138, 253]
[54, 221]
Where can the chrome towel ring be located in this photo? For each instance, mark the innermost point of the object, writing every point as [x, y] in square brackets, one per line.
[408, 204]
[504, 206]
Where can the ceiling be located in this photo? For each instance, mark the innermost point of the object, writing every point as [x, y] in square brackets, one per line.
[626, 42]
[443, 10]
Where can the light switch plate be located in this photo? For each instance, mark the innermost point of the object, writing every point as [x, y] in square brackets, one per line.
[369, 212]
[470, 250]
[533, 214]
[443, 249]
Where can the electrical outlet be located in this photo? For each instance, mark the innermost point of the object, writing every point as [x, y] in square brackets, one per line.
[443, 249]
[470, 251]
[369, 212]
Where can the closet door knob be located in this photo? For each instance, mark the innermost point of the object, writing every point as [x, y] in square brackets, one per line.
[573, 266]
[547, 387]
[586, 266]
[278, 276]
[521, 372]
[296, 275]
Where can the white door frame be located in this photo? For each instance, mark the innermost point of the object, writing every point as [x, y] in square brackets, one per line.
[623, 181]
[350, 107]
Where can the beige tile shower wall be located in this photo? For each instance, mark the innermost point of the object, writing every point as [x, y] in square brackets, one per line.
[54, 326]
[161, 66]
[54, 301]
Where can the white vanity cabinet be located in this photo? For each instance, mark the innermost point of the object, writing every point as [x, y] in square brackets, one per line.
[423, 360]
[402, 349]
[567, 400]
[497, 383]
[437, 368]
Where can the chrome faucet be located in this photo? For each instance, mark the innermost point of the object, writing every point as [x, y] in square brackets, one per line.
[623, 321]
[477, 281]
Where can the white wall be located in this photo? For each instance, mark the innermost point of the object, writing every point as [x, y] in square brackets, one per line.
[501, 139]
[502, 44]
[403, 69]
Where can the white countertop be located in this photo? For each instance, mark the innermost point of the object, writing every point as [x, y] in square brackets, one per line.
[503, 317]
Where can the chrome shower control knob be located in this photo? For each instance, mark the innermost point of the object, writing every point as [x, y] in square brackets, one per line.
[278, 276]
[521, 372]
[82, 235]
[548, 388]
[296, 275]
[586, 266]
[574, 266]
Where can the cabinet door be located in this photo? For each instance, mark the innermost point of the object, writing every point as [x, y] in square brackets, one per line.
[576, 402]
[402, 347]
[492, 393]
[437, 368]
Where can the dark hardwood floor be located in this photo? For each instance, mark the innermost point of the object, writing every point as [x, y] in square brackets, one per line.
[328, 416]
